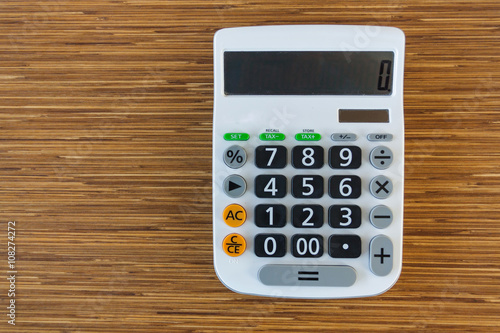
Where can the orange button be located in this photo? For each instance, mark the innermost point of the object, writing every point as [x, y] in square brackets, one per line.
[234, 245]
[234, 215]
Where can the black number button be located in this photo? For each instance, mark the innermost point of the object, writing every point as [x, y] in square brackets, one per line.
[307, 246]
[270, 186]
[344, 216]
[270, 216]
[307, 216]
[342, 187]
[344, 246]
[270, 157]
[307, 157]
[270, 245]
[344, 157]
[309, 186]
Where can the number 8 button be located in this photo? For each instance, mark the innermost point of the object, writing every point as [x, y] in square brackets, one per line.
[307, 157]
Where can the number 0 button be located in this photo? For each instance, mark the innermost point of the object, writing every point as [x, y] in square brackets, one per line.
[270, 245]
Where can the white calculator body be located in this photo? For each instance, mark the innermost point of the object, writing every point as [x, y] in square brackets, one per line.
[308, 160]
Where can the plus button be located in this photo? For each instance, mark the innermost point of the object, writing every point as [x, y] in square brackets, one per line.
[381, 255]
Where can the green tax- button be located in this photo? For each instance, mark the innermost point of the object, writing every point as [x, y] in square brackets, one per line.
[236, 136]
[308, 137]
[272, 136]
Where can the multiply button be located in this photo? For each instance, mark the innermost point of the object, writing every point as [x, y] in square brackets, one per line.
[381, 187]
[234, 245]
[381, 255]
[234, 215]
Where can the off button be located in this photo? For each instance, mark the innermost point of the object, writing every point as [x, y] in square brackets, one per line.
[234, 245]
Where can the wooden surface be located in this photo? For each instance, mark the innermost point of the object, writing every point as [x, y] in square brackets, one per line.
[105, 150]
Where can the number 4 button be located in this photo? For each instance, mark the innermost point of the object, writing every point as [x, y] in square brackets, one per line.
[270, 186]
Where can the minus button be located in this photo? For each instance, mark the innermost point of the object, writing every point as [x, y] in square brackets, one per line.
[381, 216]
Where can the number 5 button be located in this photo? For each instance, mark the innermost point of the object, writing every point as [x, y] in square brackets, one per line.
[310, 186]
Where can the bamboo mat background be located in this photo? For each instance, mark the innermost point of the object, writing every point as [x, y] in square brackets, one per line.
[105, 165]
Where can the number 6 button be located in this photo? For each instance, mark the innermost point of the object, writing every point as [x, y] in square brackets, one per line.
[342, 187]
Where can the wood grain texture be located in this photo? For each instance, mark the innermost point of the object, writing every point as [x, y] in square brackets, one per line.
[105, 150]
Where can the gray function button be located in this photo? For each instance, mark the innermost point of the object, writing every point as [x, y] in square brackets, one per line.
[379, 137]
[381, 255]
[344, 137]
[235, 156]
[381, 157]
[234, 186]
[381, 216]
[307, 275]
[381, 187]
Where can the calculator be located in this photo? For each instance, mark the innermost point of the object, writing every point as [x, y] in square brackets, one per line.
[308, 160]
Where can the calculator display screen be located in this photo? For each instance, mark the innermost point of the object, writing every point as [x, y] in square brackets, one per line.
[308, 73]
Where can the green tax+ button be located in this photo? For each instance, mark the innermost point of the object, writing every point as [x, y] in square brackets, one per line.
[236, 136]
[272, 136]
[308, 137]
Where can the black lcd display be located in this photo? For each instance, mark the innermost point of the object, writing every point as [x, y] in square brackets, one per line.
[308, 73]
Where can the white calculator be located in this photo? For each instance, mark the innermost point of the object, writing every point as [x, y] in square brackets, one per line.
[308, 160]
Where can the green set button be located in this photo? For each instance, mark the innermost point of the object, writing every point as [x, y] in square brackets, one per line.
[272, 136]
[236, 136]
[308, 137]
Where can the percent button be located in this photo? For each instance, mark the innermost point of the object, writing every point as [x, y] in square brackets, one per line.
[235, 156]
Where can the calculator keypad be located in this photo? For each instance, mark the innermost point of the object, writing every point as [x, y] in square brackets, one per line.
[339, 183]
